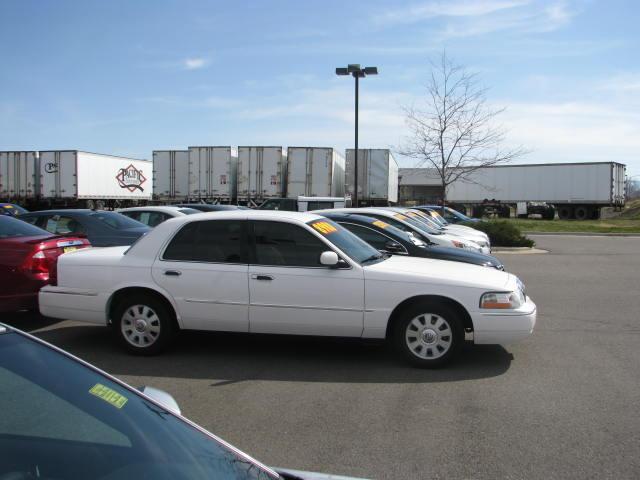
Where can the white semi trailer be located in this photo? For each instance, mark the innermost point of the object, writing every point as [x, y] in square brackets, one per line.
[19, 175]
[377, 176]
[314, 172]
[74, 178]
[575, 190]
[261, 174]
[213, 173]
[171, 175]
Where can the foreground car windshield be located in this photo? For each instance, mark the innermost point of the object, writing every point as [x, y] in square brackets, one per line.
[353, 246]
[11, 227]
[116, 220]
[62, 420]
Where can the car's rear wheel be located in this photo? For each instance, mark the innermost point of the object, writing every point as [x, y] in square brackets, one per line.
[429, 335]
[144, 325]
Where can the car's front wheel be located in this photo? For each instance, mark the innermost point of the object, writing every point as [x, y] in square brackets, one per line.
[429, 335]
[143, 325]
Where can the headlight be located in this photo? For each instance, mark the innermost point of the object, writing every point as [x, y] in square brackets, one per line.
[502, 300]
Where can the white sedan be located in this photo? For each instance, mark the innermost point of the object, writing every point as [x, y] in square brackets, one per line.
[285, 273]
[155, 215]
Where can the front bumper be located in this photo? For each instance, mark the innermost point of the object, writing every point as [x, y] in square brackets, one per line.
[503, 327]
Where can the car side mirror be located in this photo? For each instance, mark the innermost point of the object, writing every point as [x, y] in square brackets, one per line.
[393, 247]
[163, 398]
[329, 259]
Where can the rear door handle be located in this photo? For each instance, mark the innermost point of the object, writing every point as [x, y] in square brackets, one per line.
[172, 273]
[262, 277]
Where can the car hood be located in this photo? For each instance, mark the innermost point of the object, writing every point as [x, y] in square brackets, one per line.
[288, 474]
[465, 255]
[416, 269]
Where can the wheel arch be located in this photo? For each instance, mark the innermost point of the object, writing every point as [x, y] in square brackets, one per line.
[130, 291]
[440, 299]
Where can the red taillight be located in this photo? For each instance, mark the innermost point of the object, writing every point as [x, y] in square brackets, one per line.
[39, 265]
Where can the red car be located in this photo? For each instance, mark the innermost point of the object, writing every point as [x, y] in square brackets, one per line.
[28, 258]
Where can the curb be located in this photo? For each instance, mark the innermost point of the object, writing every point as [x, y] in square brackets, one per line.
[518, 250]
[584, 234]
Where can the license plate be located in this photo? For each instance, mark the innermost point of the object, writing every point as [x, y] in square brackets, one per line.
[69, 249]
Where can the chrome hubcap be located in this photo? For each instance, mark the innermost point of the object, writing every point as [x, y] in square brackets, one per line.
[140, 325]
[428, 336]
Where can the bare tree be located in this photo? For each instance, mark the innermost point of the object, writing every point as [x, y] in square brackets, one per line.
[455, 131]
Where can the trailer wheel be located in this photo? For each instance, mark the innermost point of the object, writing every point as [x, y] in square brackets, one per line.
[565, 213]
[549, 213]
[582, 213]
[595, 213]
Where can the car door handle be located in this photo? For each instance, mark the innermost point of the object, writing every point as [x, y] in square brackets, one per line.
[172, 273]
[262, 277]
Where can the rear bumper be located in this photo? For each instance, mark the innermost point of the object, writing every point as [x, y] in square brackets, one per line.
[72, 304]
[500, 327]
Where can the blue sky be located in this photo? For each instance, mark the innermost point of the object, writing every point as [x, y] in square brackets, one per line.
[126, 77]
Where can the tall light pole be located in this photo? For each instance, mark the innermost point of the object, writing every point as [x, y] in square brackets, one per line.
[356, 72]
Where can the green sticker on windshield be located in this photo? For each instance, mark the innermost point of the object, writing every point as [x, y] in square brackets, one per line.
[108, 395]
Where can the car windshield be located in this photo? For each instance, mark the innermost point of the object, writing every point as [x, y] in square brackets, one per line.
[79, 423]
[116, 220]
[12, 227]
[356, 248]
[458, 214]
[12, 209]
[417, 222]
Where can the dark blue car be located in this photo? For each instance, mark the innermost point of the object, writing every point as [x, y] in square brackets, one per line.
[102, 228]
[12, 209]
[450, 215]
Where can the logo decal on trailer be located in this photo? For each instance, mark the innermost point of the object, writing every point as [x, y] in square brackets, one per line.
[131, 178]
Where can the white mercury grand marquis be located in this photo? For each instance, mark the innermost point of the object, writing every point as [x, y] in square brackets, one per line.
[285, 273]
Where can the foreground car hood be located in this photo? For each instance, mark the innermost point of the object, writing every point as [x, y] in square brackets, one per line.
[415, 269]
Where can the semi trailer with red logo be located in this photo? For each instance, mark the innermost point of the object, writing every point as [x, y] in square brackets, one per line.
[73, 178]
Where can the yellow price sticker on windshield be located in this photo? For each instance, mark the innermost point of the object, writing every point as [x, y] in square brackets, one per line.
[8, 206]
[108, 395]
[380, 224]
[412, 214]
[400, 216]
[324, 227]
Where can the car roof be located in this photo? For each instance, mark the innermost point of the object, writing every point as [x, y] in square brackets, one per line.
[72, 211]
[276, 215]
[154, 208]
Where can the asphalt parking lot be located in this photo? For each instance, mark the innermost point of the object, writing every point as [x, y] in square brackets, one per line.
[563, 404]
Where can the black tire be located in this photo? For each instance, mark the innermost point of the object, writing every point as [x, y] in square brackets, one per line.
[565, 213]
[429, 340]
[582, 213]
[155, 335]
[549, 213]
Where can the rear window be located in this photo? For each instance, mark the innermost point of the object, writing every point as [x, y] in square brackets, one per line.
[12, 227]
[116, 220]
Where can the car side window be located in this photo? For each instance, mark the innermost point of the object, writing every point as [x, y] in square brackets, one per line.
[151, 219]
[213, 241]
[373, 238]
[63, 225]
[285, 244]
[132, 215]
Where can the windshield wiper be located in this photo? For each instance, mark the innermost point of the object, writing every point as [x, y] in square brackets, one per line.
[372, 258]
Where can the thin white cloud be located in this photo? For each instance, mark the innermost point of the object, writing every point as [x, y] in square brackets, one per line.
[194, 63]
[460, 8]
